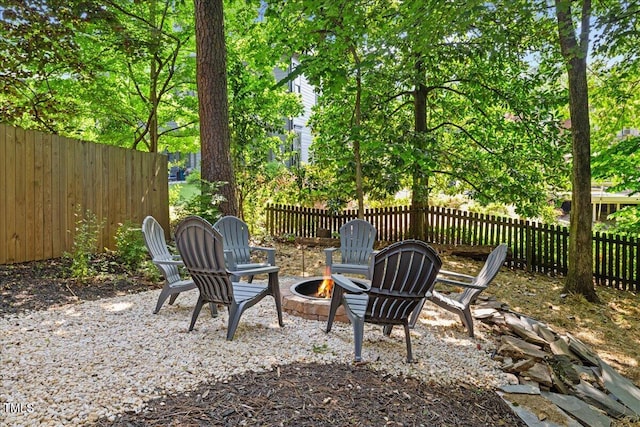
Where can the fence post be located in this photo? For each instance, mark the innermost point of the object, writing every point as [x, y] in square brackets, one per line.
[529, 245]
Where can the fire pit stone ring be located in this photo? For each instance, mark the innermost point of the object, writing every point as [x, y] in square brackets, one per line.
[300, 300]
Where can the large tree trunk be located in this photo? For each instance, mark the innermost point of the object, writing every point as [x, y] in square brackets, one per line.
[580, 275]
[153, 80]
[420, 186]
[213, 102]
[357, 121]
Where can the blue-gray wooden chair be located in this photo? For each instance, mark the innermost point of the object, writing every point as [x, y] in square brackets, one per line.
[472, 287]
[165, 261]
[356, 249]
[237, 250]
[201, 248]
[402, 274]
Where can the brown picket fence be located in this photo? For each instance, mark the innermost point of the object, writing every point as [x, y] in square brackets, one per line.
[534, 246]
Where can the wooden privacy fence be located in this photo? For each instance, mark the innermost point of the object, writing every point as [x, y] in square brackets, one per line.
[533, 246]
[46, 181]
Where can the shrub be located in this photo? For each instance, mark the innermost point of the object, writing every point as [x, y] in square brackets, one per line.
[130, 246]
[85, 243]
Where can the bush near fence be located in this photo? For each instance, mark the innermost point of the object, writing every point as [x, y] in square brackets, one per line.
[46, 180]
[534, 246]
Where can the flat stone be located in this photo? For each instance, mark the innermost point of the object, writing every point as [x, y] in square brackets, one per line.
[521, 389]
[621, 387]
[599, 399]
[539, 373]
[582, 411]
[528, 322]
[484, 313]
[537, 411]
[560, 347]
[528, 335]
[520, 349]
[583, 351]
[520, 366]
[547, 334]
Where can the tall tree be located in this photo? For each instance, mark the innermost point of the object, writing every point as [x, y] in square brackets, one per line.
[574, 47]
[213, 103]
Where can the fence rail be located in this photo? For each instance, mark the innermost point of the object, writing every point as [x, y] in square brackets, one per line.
[533, 246]
[46, 180]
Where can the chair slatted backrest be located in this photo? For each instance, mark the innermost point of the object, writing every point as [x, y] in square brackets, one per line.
[356, 241]
[235, 235]
[200, 246]
[402, 275]
[489, 271]
[157, 246]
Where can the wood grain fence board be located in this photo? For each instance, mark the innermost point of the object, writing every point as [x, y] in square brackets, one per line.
[31, 238]
[4, 200]
[38, 222]
[20, 237]
[10, 174]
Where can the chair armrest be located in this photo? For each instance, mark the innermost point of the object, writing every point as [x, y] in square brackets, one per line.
[346, 284]
[454, 274]
[459, 283]
[168, 261]
[271, 253]
[328, 252]
[254, 271]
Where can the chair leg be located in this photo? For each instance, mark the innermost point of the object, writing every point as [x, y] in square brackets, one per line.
[358, 336]
[166, 292]
[274, 289]
[250, 279]
[386, 329]
[214, 309]
[336, 300]
[173, 298]
[235, 311]
[408, 339]
[416, 314]
[196, 312]
[467, 320]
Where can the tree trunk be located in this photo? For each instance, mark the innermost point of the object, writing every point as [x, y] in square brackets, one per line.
[420, 186]
[213, 103]
[356, 141]
[580, 274]
[153, 80]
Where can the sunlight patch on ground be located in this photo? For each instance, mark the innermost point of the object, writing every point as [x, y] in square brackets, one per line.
[117, 306]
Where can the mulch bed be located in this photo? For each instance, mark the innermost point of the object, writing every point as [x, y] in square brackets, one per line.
[289, 395]
[38, 285]
[323, 396]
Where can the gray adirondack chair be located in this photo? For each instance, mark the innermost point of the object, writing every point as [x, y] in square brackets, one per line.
[402, 274]
[202, 251]
[165, 261]
[473, 286]
[356, 249]
[237, 251]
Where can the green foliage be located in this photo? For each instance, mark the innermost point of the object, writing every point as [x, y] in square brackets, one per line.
[205, 204]
[625, 222]
[85, 243]
[174, 194]
[130, 247]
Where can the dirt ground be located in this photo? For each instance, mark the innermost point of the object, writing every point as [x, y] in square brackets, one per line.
[310, 395]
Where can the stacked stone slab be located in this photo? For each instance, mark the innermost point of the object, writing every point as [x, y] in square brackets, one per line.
[558, 372]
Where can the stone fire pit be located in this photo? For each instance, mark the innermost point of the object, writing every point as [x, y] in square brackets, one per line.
[300, 300]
